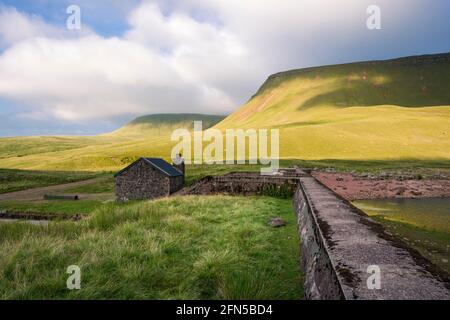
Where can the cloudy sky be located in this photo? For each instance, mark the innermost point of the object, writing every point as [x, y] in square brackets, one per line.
[140, 57]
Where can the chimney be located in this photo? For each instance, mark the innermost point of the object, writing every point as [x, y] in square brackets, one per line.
[180, 167]
[178, 163]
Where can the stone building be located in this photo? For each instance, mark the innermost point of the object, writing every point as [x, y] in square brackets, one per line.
[148, 178]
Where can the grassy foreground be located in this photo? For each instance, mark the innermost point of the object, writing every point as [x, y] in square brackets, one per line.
[62, 207]
[178, 248]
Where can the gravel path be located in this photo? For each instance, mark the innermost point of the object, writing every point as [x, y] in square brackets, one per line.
[38, 193]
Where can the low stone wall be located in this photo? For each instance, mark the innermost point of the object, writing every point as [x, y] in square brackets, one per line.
[321, 280]
[246, 183]
[340, 244]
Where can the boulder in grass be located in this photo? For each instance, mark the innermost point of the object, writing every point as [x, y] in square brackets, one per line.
[277, 222]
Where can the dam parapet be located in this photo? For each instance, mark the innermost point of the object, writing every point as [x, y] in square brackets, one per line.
[346, 255]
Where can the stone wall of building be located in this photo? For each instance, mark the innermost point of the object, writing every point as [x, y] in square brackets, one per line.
[176, 183]
[141, 181]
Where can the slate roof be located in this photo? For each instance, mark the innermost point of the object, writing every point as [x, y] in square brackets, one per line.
[159, 164]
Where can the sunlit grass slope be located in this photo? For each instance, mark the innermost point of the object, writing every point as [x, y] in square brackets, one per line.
[145, 136]
[371, 110]
[382, 110]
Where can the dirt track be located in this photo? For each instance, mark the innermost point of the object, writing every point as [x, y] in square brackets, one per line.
[38, 193]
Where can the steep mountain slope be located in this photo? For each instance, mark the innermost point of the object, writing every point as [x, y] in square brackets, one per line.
[380, 110]
[370, 110]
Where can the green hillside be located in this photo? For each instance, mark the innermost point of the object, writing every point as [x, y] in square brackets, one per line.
[395, 109]
[164, 124]
[144, 136]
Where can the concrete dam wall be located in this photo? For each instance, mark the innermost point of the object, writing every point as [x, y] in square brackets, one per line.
[342, 249]
[345, 254]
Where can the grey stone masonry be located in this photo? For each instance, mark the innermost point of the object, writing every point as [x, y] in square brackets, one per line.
[143, 181]
[246, 183]
[339, 243]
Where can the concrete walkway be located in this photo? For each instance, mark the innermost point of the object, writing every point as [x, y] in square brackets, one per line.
[354, 242]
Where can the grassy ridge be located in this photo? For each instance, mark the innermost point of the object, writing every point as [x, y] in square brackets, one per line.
[25, 146]
[162, 125]
[182, 248]
[375, 111]
[367, 111]
[145, 136]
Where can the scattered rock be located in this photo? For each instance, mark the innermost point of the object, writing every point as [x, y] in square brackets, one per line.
[277, 222]
[399, 190]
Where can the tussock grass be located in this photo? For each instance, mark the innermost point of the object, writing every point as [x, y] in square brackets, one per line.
[179, 248]
[65, 207]
[103, 186]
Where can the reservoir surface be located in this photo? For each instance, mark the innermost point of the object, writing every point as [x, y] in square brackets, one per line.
[424, 224]
[430, 214]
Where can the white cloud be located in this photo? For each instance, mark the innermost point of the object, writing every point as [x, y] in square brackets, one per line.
[200, 56]
[93, 77]
[201, 52]
[16, 27]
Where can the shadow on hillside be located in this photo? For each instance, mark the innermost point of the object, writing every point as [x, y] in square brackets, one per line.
[407, 75]
[364, 92]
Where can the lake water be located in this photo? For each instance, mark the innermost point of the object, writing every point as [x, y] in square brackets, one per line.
[430, 214]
